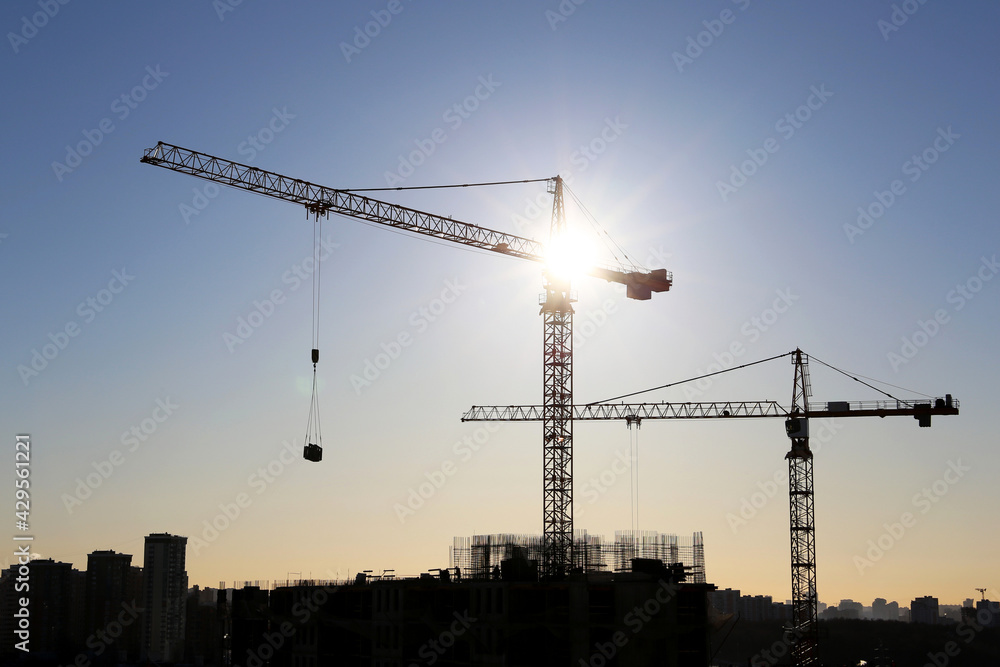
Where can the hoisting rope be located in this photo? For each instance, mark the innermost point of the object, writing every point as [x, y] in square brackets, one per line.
[634, 469]
[314, 436]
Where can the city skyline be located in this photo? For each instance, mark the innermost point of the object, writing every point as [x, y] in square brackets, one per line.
[815, 177]
[105, 607]
[162, 544]
[226, 582]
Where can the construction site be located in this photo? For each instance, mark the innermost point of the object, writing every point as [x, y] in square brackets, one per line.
[491, 607]
[482, 556]
[563, 597]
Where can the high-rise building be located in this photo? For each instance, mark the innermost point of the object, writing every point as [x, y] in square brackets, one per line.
[112, 603]
[55, 608]
[164, 582]
[924, 610]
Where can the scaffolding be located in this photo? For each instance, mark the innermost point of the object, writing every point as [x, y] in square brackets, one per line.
[484, 556]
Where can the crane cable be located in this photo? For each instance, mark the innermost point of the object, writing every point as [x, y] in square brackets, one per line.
[314, 436]
[439, 187]
[634, 472]
[603, 234]
[856, 376]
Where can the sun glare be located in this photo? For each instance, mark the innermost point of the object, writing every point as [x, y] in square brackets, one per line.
[570, 256]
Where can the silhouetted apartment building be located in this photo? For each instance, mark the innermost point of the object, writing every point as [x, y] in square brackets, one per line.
[164, 584]
[56, 608]
[8, 607]
[203, 633]
[988, 613]
[749, 608]
[885, 611]
[924, 610]
[726, 601]
[112, 604]
[249, 616]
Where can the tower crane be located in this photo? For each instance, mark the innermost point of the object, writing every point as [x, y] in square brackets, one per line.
[800, 463]
[556, 302]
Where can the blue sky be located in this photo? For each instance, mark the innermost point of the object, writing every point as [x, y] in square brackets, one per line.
[814, 175]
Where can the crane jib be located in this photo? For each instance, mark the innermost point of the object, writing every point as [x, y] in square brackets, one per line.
[322, 200]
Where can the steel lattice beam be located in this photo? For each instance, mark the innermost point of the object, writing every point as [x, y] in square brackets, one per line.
[716, 410]
[322, 199]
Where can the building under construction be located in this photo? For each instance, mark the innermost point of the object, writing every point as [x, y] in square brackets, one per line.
[484, 556]
[490, 608]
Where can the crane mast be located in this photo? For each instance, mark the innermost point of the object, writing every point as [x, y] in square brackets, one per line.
[557, 407]
[802, 519]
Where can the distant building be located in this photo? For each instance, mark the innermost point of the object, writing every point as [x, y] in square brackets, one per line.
[750, 607]
[849, 609]
[924, 610]
[164, 598]
[756, 608]
[885, 611]
[726, 601]
[949, 613]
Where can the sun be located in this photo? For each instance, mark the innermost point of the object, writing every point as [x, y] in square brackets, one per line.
[570, 256]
